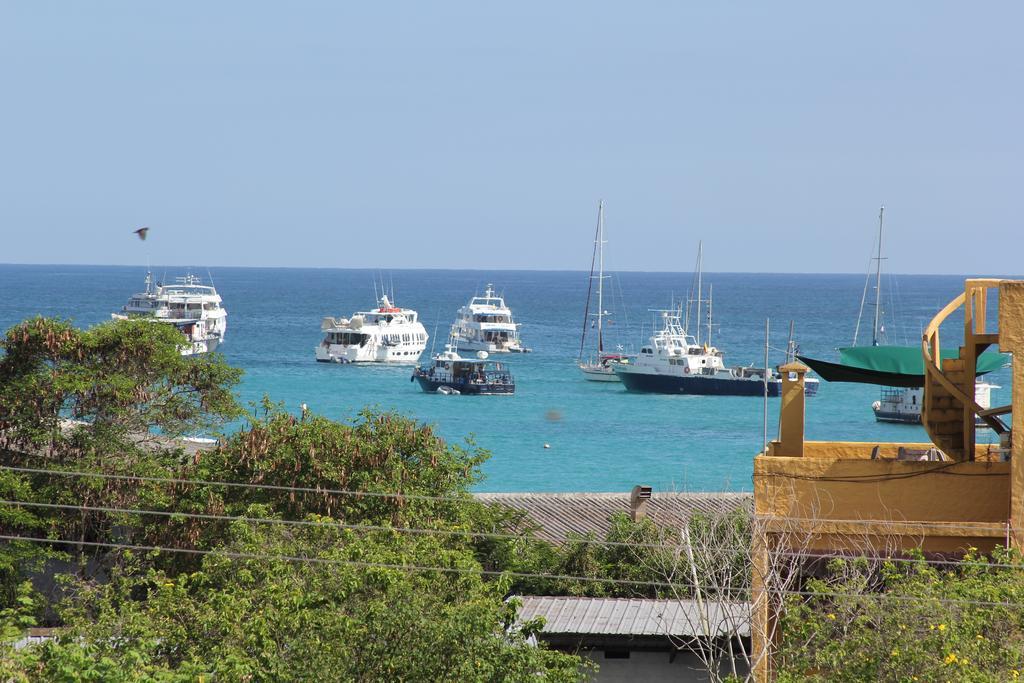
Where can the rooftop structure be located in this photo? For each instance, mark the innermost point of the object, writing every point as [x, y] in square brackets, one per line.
[560, 514]
[942, 497]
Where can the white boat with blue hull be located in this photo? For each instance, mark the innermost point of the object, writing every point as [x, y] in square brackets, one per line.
[675, 362]
[450, 373]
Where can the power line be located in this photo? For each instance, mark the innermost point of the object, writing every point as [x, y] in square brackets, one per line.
[355, 563]
[490, 572]
[902, 598]
[311, 523]
[242, 485]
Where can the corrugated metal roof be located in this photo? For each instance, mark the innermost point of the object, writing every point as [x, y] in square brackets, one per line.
[635, 617]
[559, 514]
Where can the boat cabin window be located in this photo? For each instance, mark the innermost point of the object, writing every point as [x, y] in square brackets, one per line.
[347, 338]
[646, 349]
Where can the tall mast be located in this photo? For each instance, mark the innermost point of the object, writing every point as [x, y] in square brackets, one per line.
[878, 282]
[600, 276]
[710, 289]
[700, 273]
[590, 277]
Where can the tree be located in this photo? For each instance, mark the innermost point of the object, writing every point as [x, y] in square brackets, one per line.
[326, 547]
[907, 619]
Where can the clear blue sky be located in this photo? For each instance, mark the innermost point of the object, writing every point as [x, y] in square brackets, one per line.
[434, 134]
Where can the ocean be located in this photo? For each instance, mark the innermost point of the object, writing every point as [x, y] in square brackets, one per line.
[603, 438]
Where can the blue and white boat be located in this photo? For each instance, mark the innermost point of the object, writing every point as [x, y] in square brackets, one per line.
[450, 373]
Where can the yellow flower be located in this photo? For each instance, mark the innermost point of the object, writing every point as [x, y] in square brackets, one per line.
[894, 653]
[931, 627]
[942, 627]
[1016, 674]
[950, 658]
[832, 617]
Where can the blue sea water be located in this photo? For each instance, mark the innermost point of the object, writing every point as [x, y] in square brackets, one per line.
[605, 438]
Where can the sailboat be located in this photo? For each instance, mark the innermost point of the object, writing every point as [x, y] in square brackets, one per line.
[898, 369]
[600, 366]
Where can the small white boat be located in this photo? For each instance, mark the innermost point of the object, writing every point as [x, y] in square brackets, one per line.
[486, 324]
[387, 334]
[903, 405]
[195, 309]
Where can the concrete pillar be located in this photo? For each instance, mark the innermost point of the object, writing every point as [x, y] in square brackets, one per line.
[791, 413]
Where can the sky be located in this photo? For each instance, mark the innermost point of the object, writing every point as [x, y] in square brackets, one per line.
[483, 135]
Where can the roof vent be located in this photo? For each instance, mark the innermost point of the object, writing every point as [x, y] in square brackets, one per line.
[638, 500]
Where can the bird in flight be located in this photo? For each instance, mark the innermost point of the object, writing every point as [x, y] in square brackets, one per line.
[141, 232]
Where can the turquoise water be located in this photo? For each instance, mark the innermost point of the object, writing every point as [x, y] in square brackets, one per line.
[605, 439]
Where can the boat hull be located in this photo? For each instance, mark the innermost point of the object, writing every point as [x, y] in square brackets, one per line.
[598, 374]
[696, 385]
[431, 385]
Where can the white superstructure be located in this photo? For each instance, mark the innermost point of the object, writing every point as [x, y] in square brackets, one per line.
[387, 334]
[192, 307]
[485, 324]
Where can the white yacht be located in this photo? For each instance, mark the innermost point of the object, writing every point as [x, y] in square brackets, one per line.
[387, 334]
[676, 362]
[903, 404]
[192, 307]
[485, 324]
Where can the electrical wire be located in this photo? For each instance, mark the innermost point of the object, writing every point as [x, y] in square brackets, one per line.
[358, 563]
[330, 524]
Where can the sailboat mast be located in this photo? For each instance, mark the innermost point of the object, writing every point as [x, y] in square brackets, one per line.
[711, 288]
[600, 277]
[700, 269]
[878, 282]
[590, 279]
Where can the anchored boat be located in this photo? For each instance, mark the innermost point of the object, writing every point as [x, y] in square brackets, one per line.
[195, 309]
[387, 334]
[676, 362]
[485, 324]
[450, 373]
[600, 366]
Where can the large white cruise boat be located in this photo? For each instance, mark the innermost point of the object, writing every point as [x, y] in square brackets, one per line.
[192, 307]
[485, 324]
[387, 334]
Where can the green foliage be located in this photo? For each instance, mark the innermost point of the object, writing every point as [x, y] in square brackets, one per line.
[908, 622]
[237, 608]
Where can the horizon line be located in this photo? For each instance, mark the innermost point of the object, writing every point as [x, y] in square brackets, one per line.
[481, 270]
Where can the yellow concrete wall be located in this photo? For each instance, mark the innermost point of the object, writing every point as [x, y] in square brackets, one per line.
[912, 491]
[861, 450]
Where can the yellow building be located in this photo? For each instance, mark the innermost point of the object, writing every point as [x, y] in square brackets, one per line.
[941, 497]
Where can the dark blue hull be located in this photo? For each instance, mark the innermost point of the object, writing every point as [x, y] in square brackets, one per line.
[431, 385]
[696, 385]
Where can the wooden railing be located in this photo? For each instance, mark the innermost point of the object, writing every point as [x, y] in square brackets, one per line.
[939, 415]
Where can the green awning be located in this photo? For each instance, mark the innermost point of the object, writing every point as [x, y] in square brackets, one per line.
[894, 366]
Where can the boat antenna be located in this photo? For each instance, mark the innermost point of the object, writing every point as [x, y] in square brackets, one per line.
[590, 278]
[433, 339]
[376, 297]
[878, 281]
[391, 277]
[700, 275]
[210, 275]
